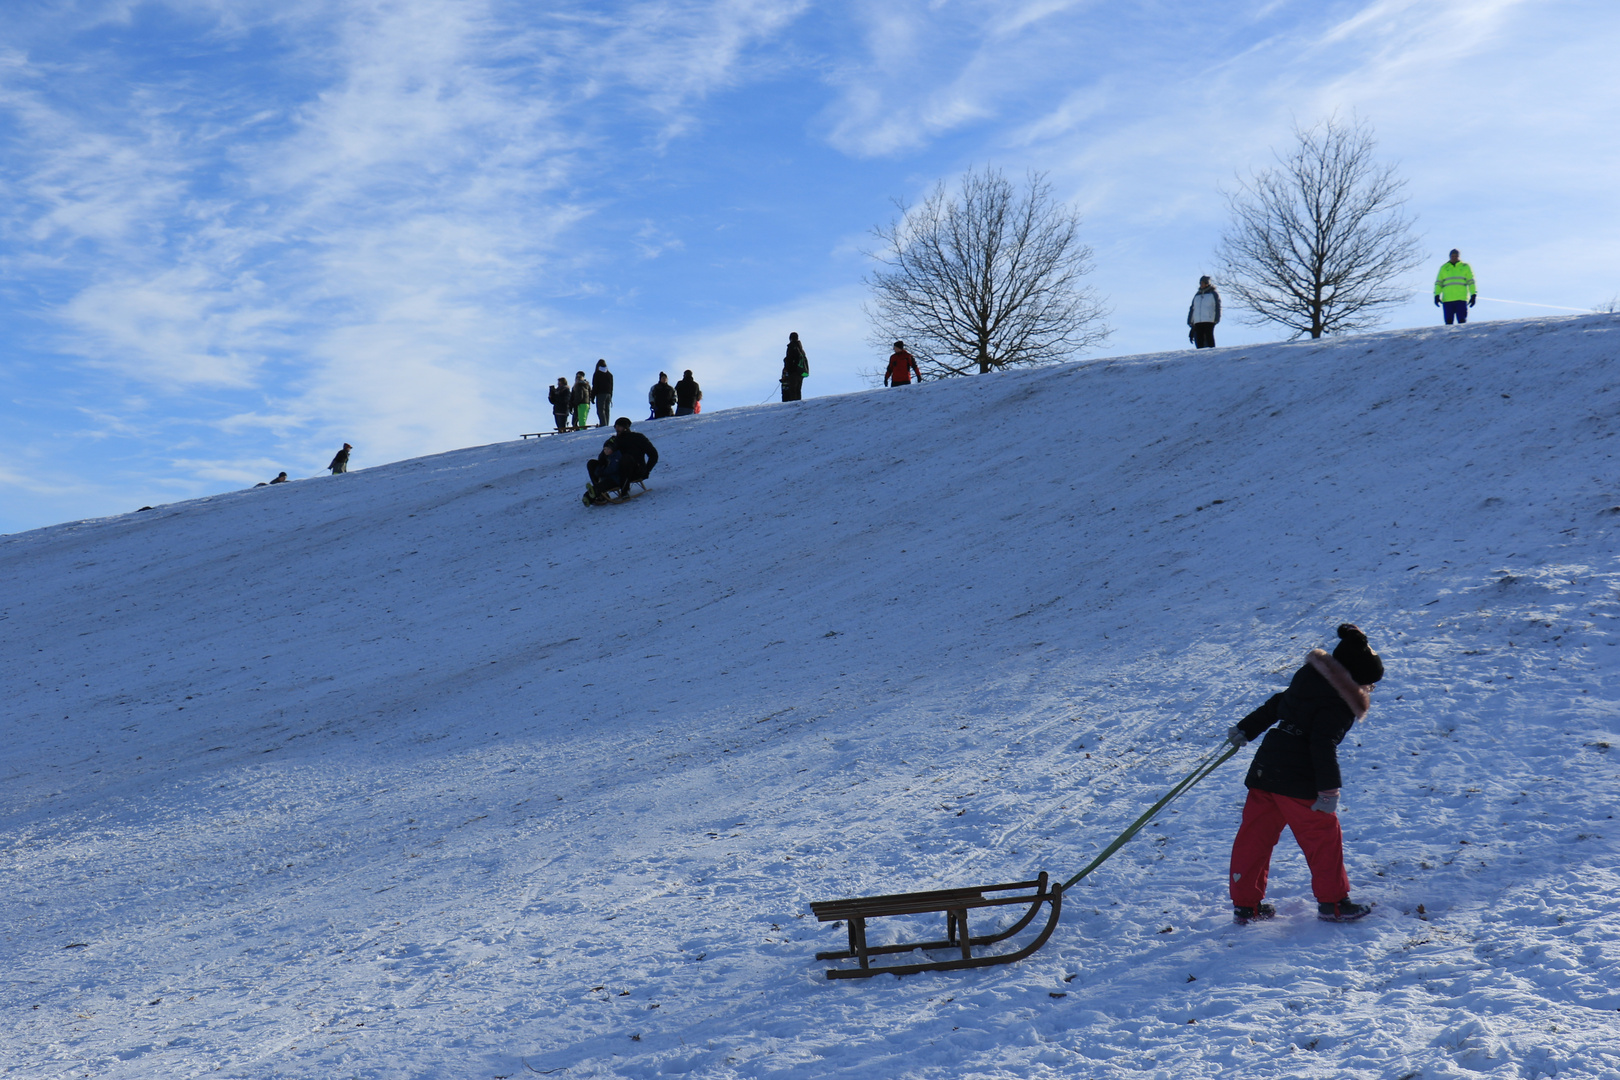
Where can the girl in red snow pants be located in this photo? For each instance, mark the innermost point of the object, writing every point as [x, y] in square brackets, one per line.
[1264, 815]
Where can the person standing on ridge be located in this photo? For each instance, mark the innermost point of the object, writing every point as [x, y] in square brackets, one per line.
[661, 397]
[340, 460]
[579, 401]
[902, 365]
[559, 402]
[687, 395]
[795, 369]
[602, 392]
[1294, 778]
[1203, 313]
[1454, 288]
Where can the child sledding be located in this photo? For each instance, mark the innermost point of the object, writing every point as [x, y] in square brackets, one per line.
[627, 458]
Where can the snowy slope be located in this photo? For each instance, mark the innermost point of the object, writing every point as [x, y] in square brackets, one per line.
[429, 771]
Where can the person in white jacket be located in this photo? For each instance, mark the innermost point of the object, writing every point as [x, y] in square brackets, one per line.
[1203, 313]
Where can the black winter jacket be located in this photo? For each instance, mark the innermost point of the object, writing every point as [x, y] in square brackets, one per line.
[687, 393]
[602, 384]
[1300, 756]
[795, 365]
[662, 398]
[559, 399]
[637, 455]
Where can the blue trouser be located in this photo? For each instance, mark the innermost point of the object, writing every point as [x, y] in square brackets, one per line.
[603, 475]
[1455, 310]
[604, 406]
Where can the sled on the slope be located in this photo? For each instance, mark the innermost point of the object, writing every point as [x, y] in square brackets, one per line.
[619, 495]
[565, 431]
[956, 903]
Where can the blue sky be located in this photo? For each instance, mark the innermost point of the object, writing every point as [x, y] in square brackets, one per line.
[238, 234]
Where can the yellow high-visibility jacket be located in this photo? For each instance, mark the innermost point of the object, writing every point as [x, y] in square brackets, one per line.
[1455, 281]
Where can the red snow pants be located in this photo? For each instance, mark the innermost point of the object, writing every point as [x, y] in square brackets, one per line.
[1264, 815]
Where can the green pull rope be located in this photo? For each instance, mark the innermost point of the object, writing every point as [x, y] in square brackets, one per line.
[1201, 770]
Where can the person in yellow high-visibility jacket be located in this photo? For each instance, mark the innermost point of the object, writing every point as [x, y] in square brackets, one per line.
[1454, 289]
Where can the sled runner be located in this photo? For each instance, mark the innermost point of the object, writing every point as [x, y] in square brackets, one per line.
[955, 904]
[612, 496]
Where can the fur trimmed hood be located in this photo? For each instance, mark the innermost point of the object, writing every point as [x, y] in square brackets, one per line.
[1334, 672]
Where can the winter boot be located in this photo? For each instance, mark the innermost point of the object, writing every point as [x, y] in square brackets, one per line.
[1345, 910]
[1245, 915]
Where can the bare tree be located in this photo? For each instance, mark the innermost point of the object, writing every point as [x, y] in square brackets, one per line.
[984, 278]
[1317, 243]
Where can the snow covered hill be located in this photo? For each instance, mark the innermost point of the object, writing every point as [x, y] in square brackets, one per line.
[430, 771]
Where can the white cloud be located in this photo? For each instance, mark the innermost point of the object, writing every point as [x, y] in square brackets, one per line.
[1077, 108]
[1397, 48]
[680, 52]
[929, 69]
[279, 423]
[84, 184]
[176, 328]
[1008, 19]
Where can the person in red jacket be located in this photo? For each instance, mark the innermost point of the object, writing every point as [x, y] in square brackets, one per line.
[902, 365]
[1293, 780]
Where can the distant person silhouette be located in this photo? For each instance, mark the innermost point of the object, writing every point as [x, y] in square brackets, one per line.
[1203, 313]
[687, 395]
[1454, 288]
[579, 400]
[902, 365]
[795, 369]
[661, 397]
[340, 460]
[559, 397]
[602, 392]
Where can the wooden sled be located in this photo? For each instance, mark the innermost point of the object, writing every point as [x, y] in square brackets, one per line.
[614, 496]
[955, 903]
